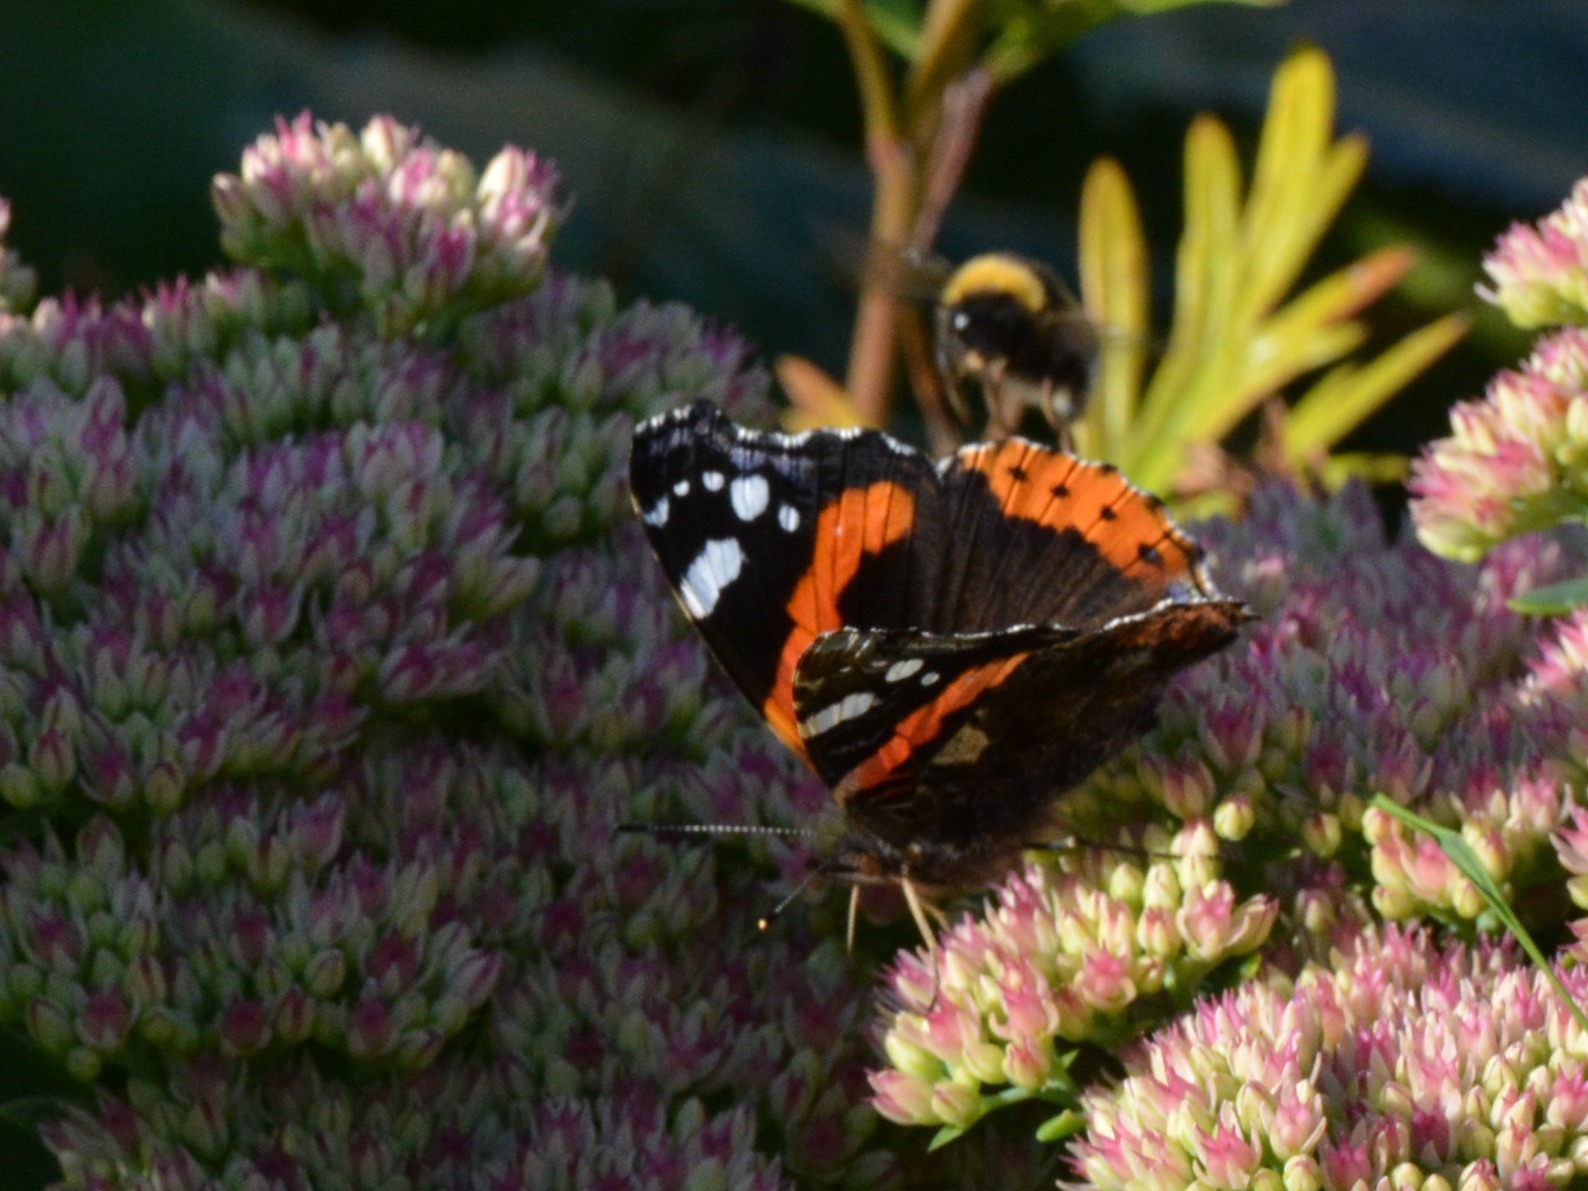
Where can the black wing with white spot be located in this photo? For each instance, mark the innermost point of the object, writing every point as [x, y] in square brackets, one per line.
[764, 536]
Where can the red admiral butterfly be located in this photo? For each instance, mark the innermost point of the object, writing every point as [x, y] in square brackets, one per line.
[950, 646]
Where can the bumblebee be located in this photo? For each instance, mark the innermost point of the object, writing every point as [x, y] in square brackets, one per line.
[1009, 327]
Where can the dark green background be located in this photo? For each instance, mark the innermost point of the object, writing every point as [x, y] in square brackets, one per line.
[711, 143]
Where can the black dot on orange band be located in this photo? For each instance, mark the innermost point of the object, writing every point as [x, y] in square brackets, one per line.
[1061, 490]
[1149, 553]
[1017, 472]
[1108, 514]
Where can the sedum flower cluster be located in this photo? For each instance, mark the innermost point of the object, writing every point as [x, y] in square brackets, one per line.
[1066, 953]
[1359, 1054]
[1403, 1064]
[330, 658]
[1516, 461]
[1539, 272]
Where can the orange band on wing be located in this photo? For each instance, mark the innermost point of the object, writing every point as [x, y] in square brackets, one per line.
[925, 724]
[1065, 492]
[861, 521]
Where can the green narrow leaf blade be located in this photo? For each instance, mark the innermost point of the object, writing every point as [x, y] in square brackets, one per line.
[1113, 260]
[1466, 860]
[945, 1135]
[1552, 599]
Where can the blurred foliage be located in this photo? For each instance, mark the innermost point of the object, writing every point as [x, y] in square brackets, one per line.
[32, 1087]
[706, 139]
[1235, 342]
[921, 123]
[940, 38]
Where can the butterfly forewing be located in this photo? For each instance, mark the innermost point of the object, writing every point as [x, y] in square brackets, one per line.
[771, 540]
[1038, 536]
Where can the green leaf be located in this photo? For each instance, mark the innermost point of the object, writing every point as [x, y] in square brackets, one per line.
[1113, 264]
[1067, 1124]
[1466, 860]
[1371, 467]
[945, 1135]
[1552, 599]
[1345, 396]
[1030, 30]
[29, 1112]
[896, 24]
[1235, 341]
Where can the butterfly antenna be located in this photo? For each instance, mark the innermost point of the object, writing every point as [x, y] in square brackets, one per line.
[710, 829]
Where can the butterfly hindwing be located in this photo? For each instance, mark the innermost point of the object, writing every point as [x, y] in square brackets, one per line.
[1073, 704]
[963, 772]
[873, 704]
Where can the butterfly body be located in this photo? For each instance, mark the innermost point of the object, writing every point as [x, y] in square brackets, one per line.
[949, 645]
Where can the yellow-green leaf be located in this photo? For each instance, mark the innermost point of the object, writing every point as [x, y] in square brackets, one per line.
[1113, 261]
[1346, 396]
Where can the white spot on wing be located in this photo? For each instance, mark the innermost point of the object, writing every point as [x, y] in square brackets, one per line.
[716, 566]
[836, 713]
[657, 513]
[788, 517]
[930, 678]
[681, 488]
[749, 496]
[712, 481]
[899, 671]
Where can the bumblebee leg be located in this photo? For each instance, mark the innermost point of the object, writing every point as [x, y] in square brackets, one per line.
[1058, 406]
[1004, 400]
[953, 392]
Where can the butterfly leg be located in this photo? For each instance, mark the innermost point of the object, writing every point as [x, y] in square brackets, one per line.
[918, 910]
